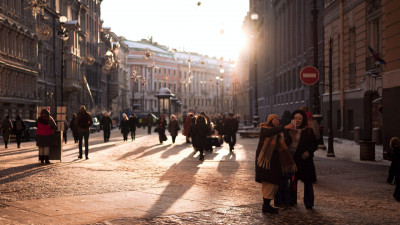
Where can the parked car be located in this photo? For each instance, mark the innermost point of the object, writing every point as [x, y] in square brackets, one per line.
[95, 126]
[30, 130]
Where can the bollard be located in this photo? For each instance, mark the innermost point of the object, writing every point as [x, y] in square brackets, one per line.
[367, 150]
[357, 133]
[376, 136]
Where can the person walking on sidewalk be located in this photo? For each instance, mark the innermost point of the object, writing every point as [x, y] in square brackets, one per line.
[44, 135]
[272, 159]
[231, 127]
[303, 140]
[74, 128]
[160, 128]
[173, 127]
[199, 135]
[133, 123]
[65, 132]
[124, 126]
[6, 129]
[394, 171]
[187, 125]
[106, 125]
[149, 121]
[84, 121]
[18, 128]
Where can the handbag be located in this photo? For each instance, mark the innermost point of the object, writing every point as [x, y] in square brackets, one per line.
[156, 129]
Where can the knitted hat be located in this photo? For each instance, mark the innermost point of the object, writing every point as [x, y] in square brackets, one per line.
[394, 142]
[270, 118]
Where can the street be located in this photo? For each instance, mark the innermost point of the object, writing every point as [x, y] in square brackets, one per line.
[143, 182]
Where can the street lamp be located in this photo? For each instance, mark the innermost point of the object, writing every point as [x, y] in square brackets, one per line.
[63, 34]
[254, 18]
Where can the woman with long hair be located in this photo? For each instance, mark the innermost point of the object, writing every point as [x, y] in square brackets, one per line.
[124, 126]
[303, 142]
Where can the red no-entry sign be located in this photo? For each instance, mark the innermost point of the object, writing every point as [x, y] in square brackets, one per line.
[309, 75]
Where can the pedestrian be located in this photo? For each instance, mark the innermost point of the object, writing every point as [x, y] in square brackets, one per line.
[173, 127]
[313, 124]
[394, 171]
[160, 128]
[199, 135]
[149, 121]
[133, 123]
[44, 135]
[302, 140]
[186, 126]
[74, 128]
[84, 121]
[124, 126]
[272, 159]
[231, 127]
[6, 130]
[65, 132]
[18, 128]
[106, 125]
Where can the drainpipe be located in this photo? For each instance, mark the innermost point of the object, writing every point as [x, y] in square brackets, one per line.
[341, 68]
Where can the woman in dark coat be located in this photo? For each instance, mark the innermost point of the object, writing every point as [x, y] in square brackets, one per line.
[74, 128]
[199, 134]
[160, 127]
[173, 127]
[133, 123]
[305, 144]
[187, 125]
[272, 159]
[44, 135]
[124, 126]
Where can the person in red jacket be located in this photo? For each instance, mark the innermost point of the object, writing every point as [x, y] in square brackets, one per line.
[44, 135]
[187, 125]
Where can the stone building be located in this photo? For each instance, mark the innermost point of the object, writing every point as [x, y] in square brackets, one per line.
[281, 45]
[191, 77]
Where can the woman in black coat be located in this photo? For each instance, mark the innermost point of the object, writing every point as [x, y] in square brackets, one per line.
[200, 132]
[160, 127]
[305, 144]
[394, 171]
[272, 159]
[173, 127]
[124, 126]
[133, 123]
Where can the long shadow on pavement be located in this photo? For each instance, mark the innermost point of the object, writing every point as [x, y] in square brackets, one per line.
[136, 152]
[181, 180]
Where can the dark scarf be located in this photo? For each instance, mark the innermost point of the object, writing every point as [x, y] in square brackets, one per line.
[267, 150]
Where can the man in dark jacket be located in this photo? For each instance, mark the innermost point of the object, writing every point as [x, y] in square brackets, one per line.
[106, 124]
[231, 127]
[84, 122]
[149, 120]
[19, 128]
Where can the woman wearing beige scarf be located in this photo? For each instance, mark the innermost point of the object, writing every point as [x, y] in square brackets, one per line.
[272, 159]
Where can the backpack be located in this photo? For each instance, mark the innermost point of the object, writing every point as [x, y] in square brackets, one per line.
[83, 121]
[18, 125]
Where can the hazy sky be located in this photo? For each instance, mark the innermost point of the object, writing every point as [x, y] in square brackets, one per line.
[214, 28]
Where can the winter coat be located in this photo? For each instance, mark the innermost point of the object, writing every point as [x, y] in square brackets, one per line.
[6, 129]
[21, 126]
[106, 123]
[124, 126]
[160, 126]
[45, 131]
[85, 116]
[219, 126]
[274, 174]
[173, 128]
[199, 133]
[133, 123]
[149, 120]
[187, 125]
[395, 165]
[231, 126]
[74, 127]
[306, 167]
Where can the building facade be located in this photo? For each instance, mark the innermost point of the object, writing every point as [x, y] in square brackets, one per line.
[281, 45]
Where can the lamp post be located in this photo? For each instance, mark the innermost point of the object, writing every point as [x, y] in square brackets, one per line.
[316, 101]
[254, 18]
[63, 34]
[143, 83]
[221, 70]
[216, 103]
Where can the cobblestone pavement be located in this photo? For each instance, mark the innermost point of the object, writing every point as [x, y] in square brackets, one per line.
[347, 192]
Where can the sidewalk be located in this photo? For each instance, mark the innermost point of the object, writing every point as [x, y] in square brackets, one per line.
[350, 151]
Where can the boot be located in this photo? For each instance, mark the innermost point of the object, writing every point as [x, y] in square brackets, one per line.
[267, 208]
[47, 159]
[41, 158]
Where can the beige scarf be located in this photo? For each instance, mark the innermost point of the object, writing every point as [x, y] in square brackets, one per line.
[267, 150]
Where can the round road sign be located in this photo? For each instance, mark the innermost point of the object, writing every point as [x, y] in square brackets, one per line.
[309, 75]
